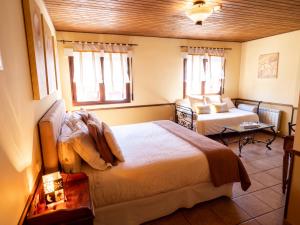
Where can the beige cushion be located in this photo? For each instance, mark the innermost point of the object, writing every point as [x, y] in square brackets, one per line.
[83, 114]
[196, 100]
[112, 142]
[75, 122]
[50, 126]
[219, 107]
[95, 118]
[210, 99]
[248, 107]
[96, 132]
[69, 160]
[184, 102]
[85, 147]
[229, 103]
[202, 109]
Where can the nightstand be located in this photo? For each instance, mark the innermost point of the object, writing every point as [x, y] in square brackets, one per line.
[76, 210]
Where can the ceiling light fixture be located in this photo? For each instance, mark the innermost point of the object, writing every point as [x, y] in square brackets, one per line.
[202, 9]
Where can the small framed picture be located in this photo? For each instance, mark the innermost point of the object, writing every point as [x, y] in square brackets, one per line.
[268, 65]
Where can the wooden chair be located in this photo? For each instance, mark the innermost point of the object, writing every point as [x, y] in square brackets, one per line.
[288, 149]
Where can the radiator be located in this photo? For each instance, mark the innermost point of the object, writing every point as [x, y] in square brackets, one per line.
[270, 116]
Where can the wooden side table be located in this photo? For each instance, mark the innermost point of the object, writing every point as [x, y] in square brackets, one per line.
[76, 210]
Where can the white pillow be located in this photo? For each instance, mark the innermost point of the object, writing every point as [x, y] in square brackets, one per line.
[196, 100]
[84, 145]
[71, 119]
[219, 107]
[247, 107]
[202, 109]
[229, 103]
[69, 160]
[184, 102]
[74, 121]
[209, 99]
[112, 142]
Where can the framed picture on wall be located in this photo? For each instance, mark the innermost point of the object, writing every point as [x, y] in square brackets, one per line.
[55, 53]
[268, 65]
[49, 58]
[35, 43]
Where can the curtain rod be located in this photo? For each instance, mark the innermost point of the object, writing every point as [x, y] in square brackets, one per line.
[94, 42]
[183, 46]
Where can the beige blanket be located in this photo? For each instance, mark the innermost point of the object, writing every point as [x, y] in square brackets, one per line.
[225, 167]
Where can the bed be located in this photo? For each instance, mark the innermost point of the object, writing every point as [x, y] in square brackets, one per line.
[213, 123]
[157, 177]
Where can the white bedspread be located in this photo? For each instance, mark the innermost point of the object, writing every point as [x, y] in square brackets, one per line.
[156, 161]
[208, 124]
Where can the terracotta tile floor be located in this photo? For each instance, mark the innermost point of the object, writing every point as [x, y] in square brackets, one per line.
[261, 204]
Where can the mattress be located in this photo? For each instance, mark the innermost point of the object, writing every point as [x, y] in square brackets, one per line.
[209, 124]
[156, 161]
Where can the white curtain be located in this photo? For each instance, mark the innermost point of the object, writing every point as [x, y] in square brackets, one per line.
[115, 75]
[203, 51]
[205, 66]
[98, 47]
[195, 74]
[87, 75]
[88, 71]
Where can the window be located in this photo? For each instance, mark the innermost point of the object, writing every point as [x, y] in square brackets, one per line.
[100, 78]
[203, 74]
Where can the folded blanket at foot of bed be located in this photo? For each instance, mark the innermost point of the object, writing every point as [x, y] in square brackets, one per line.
[225, 167]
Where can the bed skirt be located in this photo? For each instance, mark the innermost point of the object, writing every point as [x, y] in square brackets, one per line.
[146, 209]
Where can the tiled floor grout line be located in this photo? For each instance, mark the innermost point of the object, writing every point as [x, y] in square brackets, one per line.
[264, 171]
[186, 219]
[254, 218]
[221, 217]
[255, 191]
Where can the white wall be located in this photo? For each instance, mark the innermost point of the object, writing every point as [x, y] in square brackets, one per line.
[284, 89]
[20, 159]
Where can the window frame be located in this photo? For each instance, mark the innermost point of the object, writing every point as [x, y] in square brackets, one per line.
[102, 100]
[221, 91]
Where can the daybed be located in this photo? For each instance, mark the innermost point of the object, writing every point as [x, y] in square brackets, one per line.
[210, 123]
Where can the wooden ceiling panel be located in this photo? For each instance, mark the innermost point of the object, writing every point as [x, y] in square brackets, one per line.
[239, 20]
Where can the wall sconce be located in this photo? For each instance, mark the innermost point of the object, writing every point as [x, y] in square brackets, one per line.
[53, 188]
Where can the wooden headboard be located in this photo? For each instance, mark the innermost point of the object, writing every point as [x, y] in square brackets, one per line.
[49, 127]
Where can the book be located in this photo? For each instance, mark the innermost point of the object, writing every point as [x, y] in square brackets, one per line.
[250, 125]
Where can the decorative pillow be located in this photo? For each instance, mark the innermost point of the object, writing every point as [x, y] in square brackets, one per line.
[74, 121]
[83, 114]
[229, 103]
[95, 118]
[184, 102]
[112, 142]
[96, 132]
[71, 120]
[84, 145]
[202, 109]
[69, 160]
[196, 100]
[247, 107]
[219, 107]
[210, 99]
